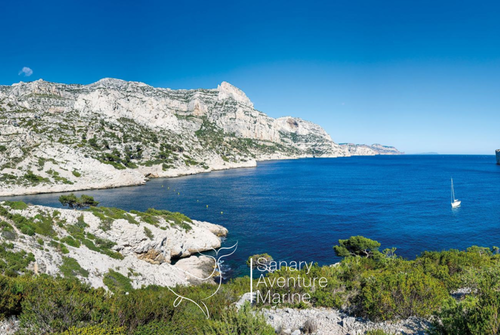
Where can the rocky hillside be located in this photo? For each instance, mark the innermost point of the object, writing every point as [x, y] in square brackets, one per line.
[58, 137]
[369, 150]
[497, 152]
[106, 246]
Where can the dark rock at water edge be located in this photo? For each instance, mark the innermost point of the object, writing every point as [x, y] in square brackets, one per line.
[498, 156]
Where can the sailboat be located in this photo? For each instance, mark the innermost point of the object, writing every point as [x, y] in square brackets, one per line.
[454, 202]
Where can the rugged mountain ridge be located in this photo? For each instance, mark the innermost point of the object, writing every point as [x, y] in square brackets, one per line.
[59, 137]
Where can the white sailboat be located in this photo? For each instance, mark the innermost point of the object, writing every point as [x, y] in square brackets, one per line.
[454, 202]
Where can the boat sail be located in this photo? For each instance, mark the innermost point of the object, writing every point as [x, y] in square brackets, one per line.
[454, 202]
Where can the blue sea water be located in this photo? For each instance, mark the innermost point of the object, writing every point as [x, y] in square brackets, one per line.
[298, 209]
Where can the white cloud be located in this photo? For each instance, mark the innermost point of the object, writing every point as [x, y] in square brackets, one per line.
[26, 71]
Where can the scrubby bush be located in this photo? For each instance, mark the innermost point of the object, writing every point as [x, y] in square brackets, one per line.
[400, 293]
[72, 201]
[477, 314]
[241, 322]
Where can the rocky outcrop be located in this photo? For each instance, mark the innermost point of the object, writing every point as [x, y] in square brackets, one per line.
[369, 150]
[327, 321]
[57, 137]
[497, 152]
[140, 246]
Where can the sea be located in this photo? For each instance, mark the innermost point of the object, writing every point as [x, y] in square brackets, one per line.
[297, 210]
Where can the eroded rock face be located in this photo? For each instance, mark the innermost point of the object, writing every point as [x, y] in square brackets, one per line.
[57, 137]
[497, 152]
[142, 251]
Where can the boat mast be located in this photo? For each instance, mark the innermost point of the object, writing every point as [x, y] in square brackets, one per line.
[452, 192]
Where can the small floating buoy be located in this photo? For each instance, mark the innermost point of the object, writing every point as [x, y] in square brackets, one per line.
[207, 206]
[197, 200]
[178, 193]
[161, 185]
[168, 188]
[221, 212]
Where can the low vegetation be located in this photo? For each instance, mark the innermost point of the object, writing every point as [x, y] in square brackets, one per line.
[458, 290]
[379, 285]
[72, 201]
[65, 306]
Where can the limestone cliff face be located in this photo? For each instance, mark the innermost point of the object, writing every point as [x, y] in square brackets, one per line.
[58, 137]
[497, 152]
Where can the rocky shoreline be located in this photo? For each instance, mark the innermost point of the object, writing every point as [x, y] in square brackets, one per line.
[142, 175]
[327, 321]
[128, 178]
[140, 246]
[112, 133]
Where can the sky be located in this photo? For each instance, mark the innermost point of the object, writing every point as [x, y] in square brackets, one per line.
[423, 76]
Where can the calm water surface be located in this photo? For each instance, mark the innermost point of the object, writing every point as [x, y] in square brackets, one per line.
[298, 209]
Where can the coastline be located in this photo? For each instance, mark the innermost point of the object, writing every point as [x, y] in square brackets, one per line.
[138, 177]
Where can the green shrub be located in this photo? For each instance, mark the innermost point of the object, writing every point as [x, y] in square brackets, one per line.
[16, 204]
[148, 233]
[14, 263]
[109, 214]
[71, 241]
[101, 329]
[241, 322]
[34, 179]
[7, 231]
[376, 332]
[117, 282]
[55, 305]
[40, 224]
[401, 293]
[477, 314]
[357, 246]
[70, 268]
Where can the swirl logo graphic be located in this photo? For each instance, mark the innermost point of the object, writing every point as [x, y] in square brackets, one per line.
[217, 269]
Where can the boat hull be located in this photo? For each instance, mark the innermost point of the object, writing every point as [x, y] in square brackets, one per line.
[455, 204]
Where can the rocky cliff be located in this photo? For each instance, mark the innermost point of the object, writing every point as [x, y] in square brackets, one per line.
[497, 152]
[58, 137]
[369, 150]
[105, 244]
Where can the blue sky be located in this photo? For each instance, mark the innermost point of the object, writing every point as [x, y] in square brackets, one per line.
[420, 75]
